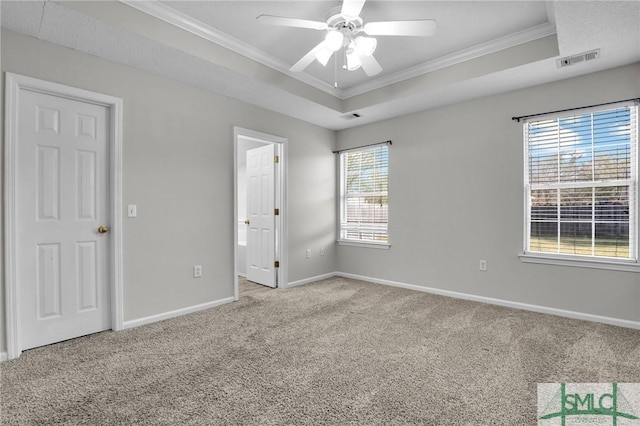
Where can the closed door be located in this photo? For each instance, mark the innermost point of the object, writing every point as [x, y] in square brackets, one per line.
[62, 219]
[261, 243]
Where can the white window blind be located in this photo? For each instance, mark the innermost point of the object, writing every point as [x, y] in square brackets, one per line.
[364, 194]
[581, 183]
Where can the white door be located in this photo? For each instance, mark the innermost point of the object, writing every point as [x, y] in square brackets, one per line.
[62, 259]
[261, 243]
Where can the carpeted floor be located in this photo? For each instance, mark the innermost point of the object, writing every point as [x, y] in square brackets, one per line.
[334, 352]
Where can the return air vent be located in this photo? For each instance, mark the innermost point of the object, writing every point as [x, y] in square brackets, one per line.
[351, 116]
[576, 59]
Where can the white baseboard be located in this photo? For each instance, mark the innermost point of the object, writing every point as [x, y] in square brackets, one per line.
[3, 356]
[500, 302]
[173, 314]
[311, 279]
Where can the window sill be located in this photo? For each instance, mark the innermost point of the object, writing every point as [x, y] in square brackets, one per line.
[365, 244]
[579, 262]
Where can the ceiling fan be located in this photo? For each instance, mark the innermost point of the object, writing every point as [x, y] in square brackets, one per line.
[345, 29]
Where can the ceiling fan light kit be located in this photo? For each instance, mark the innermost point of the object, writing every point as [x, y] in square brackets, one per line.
[353, 60]
[343, 27]
[365, 45]
[333, 40]
[323, 55]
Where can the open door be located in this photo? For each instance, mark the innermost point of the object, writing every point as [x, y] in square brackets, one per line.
[261, 236]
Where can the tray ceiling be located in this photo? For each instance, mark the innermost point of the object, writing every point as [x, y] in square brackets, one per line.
[480, 48]
[462, 25]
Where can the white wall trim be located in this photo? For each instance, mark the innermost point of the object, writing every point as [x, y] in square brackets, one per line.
[311, 279]
[577, 262]
[281, 202]
[175, 313]
[365, 244]
[207, 32]
[13, 85]
[3, 356]
[12, 330]
[491, 46]
[200, 29]
[500, 302]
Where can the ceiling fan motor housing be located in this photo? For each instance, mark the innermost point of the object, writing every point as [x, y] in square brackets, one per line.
[348, 25]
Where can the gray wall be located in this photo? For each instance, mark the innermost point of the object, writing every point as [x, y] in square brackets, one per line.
[456, 189]
[178, 169]
[456, 196]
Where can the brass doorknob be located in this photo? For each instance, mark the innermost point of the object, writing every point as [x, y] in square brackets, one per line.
[247, 222]
[103, 229]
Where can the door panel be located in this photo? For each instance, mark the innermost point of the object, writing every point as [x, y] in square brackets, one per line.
[86, 262]
[61, 200]
[260, 208]
[48, 286]
[86, 181]
[48, 189]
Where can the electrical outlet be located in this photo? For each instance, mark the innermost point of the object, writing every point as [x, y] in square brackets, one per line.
[308, 253]
[483, 265]
[197, 271]
[321, 251]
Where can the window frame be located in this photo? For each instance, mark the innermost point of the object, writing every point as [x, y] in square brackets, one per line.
[341, 240]
[586, 261]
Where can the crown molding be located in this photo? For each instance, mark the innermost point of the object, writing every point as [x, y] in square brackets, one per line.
[482, 49]
[174, 17]
[200, 29]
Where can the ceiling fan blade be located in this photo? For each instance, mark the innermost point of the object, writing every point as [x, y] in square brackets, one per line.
[306, 60]
[291, 22]
[370, 66]
[423, 27]
[352, 8]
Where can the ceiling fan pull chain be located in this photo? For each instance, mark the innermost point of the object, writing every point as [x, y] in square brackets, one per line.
[344, 58]
[335, 71]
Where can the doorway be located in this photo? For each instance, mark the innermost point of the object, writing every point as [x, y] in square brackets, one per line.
[63, 234]
[258, 255]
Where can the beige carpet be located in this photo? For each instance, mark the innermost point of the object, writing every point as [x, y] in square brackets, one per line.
[331, 353]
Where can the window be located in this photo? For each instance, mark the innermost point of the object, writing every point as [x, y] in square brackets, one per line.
[364, 194]
[581, 184]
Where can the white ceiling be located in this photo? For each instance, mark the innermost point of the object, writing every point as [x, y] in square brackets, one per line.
[461, 25]
[480, 48]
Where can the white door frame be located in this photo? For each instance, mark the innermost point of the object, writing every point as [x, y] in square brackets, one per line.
[280, 187]
[14, 85]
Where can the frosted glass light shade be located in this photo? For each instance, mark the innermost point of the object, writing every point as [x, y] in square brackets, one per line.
[333, 40]
[365, 45]
[353, 60]
[323, 55]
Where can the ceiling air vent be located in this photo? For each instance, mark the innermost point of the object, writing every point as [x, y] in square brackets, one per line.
[583, 57]
[351, 116]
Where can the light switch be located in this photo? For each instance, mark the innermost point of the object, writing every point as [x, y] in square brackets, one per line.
[132, 210]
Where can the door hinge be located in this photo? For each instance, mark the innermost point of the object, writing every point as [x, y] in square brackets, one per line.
[276, 159]
[276, 212]
[276, 264]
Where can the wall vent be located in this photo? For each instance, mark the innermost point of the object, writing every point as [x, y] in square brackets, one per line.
[351, 116]
[576, 59]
